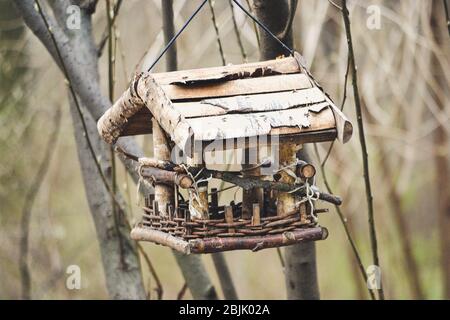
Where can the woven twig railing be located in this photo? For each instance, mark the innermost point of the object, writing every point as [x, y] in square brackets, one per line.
[226, 230]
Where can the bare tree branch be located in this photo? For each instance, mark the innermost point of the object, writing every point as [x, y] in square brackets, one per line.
[362, 139]
[28, 205]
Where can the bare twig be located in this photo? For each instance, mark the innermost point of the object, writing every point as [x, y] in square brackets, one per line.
[28, 206]
[106, 33]
[250, 182]
[362, 139]
[111, 81]
[345, 225]
[216, 29]
[75, 98]
[344, 98]
[280, 256]
[182, 292]
[159, 288]
[236, 31]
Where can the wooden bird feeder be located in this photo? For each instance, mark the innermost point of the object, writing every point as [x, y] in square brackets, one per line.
[273, 107]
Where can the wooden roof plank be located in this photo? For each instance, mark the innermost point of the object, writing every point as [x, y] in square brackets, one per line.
[281, 66]
[239, 87]
[251, 103]
[253, 124]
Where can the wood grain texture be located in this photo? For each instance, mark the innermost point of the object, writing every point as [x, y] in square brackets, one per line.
[256, 243]
[281, 66]
[275, 83]
[163, 238]
[254, 124]
[253, 103]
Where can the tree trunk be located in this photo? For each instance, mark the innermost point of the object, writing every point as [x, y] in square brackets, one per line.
[119, 253]
[301, 273]
[78, 53]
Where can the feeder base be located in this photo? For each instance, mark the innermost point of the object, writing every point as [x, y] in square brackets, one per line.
[219, 244]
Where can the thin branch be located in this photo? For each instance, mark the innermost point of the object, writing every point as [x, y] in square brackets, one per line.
[216, 29]
[75, 98]
[249, 182]
[280, 256]
[344, 98]
[28, 206]
[182, 292]
[159, 288]
[106, 34]
[236, 31]
[345, 225]
[111, 81]
[362, 139]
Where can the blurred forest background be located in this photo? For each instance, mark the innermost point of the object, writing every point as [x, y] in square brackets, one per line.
[404, 76]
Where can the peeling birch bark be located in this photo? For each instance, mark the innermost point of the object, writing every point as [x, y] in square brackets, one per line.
[164, 194]
[112, 123]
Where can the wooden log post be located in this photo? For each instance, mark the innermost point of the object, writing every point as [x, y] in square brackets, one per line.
[256, 218]
[164, 194]
[229, 218]
[251, 169]
[198, 199]
[203, 200]
[286, 202]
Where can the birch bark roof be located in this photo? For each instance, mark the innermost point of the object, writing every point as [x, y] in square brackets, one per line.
[236, 101]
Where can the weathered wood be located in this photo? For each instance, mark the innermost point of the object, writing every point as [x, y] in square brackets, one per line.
[139, 123]
[254, 124]
[256, 243]
[343, 125]
[159, 237]
[277, 66]
[290, 134]
[263, 102]
[214, 203]
[160, 164]
[164, 193]
[200, 203]
[128, 117]
[254, 195]
[305, 170]
[256, 218]
[113, 121]
[237, 87]
[165, 177]
[162, 109]
[286, 201]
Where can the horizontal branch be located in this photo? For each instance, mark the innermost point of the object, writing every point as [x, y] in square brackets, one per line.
[250, 182]
[256, 243]
[166, 177]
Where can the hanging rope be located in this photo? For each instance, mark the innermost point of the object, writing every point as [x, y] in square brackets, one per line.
[259, 23]
[172, 41]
